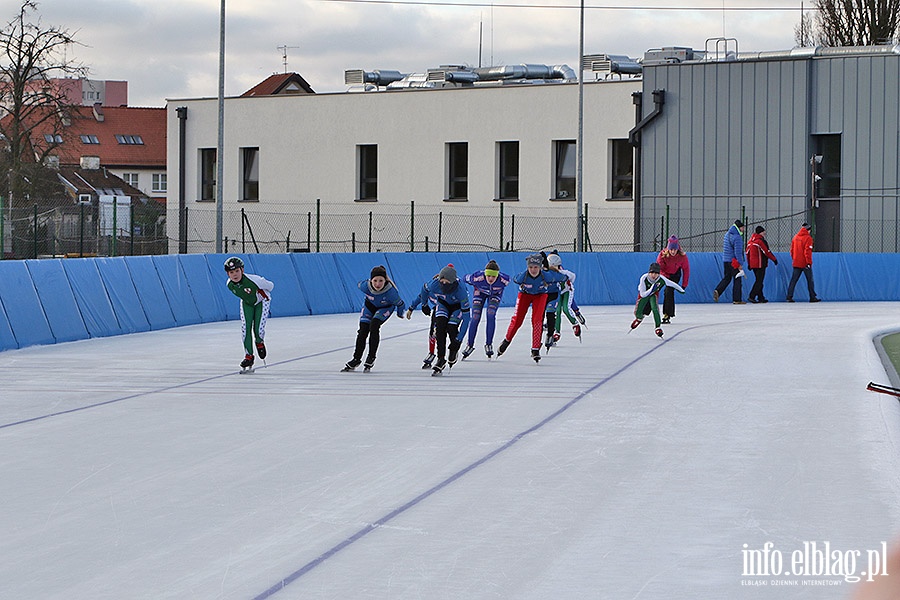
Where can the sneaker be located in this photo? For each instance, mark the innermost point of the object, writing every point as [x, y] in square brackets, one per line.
[503, 346]
[739, 302]
[814, 300]
[715, 295]
[788, 299]
[666, 319]
[635, 323]
[659, 332]
[247, 362]
[351, 365]
[579, 317]
[426, 364]
[488, 350]
[536, 354]
[261, 349]
[576, 329]
[752, 300]
[762, 300]
[467, 351]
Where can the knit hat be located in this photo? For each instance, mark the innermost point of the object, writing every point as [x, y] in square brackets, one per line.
[378, 271]
[654, 267]
[760, 229]
[805, 226]
[448, 273]
[535, 259]
[673, 244]
[554, 260]
[738, 223]
[492, 268]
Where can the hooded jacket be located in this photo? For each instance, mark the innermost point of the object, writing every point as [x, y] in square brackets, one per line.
[733, 247]
[801, 249]
[672, 260]
[758, 253]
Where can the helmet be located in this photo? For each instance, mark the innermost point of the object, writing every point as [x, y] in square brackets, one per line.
[554, 260]
[234, 263]
[654, 267]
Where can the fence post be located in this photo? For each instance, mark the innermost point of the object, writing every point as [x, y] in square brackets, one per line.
[426, 243]
[662, 231]
[501, 227]
[115, 227]
[34, 229]
[131, 229]
[440, 229]
[2, 246]
[370, 231]
[352, 241]
[309, 231]
[412, 225]
[512, 231]
[668, 225]
[318, 223]
[81, 233]
[243, 234]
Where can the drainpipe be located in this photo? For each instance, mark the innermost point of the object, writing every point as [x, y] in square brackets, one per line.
[634, 138]
[181, 111]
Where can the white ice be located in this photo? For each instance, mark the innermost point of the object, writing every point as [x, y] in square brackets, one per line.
[623, 467]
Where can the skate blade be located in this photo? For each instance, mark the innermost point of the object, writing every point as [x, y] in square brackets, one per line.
[248, 371]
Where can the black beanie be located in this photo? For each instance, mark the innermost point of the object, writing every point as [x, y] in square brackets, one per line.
[760, 229]
[378, 271]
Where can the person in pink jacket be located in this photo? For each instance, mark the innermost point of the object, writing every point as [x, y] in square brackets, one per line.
[758, 257]
[674, 266]
[801, 255]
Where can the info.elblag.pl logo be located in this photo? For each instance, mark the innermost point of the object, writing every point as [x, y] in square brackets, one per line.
[811, 563]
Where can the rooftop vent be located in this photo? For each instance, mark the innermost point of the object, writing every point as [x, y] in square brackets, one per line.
[610, 63]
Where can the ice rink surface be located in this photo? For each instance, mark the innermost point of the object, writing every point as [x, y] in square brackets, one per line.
[623, 467]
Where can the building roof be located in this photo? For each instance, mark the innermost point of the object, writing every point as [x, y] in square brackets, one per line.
[280, 83]
[120, 136]
[79, 181]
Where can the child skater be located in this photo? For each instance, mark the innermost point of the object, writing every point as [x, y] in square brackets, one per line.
[533, 284]
[255, 294]
[648, 288]
[426, 300]
[451, 316]
[488, 287]
[382, 299]
[566, 298]
[554, 287]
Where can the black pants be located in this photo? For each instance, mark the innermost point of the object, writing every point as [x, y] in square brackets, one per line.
[756, 292]
[443, 329]
[795, 277]
[730, 273]
[669, 295]
[368, 331]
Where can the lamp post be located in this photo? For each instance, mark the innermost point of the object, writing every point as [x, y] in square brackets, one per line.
[579, 143]
[220, 147]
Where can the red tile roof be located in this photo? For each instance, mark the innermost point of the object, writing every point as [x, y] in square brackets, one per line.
[280, 83]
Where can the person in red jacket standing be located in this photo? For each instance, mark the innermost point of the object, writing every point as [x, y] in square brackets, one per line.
[801, 255]
[758, 257]
[674, 265]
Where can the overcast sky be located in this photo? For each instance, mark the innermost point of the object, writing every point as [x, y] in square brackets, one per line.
[169, 49]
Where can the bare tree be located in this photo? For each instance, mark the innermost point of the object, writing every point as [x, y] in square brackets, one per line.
[851, 23]
[30, 56]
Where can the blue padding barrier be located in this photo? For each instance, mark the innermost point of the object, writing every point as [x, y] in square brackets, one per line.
[178, 292]
[49, 301]
[322, 284]
[288, 298]
[57, 299]
[125, 302]
[150, 291]
[93, 300]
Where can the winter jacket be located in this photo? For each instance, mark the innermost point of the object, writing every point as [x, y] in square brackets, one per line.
[758, 253]
[485, 290]
[672, 260]
[801, 249]
[452, 301]
[251, 289]
[540, 284]
[647, 286]
[733, 246]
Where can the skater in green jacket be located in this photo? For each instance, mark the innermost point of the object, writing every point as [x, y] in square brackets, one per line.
[255, 294]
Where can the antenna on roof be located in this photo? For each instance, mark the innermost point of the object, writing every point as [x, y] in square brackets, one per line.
[284, 59]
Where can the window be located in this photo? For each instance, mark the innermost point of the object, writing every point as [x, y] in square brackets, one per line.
[457, 170]
[621, 170]
[828, 146]
[207, 174]
[131, 179]
[53, 138]
[89, 139]
[508, 170]
[159, 183]
[250, 174]
[367, 163]
[564, 187]
[130, 140]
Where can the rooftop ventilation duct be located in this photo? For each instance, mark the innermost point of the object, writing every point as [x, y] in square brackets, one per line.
[611, 63]
[525, 72]
[378, 77]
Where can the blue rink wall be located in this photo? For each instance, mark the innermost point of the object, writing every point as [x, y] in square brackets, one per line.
[60, 300]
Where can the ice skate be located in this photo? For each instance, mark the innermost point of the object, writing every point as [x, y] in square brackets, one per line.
[659, 331]
[576, 329]
[467, 351]
[261, 349]
[247, 364]
[536, 354]
[426, 364]
[488, 350]
[548, 342]
[367, 366]
[452, 356]
[635, 323]
[438, 367]
[503, 346]
[351, 365]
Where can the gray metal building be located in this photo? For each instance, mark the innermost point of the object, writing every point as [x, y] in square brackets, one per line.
[775, 138]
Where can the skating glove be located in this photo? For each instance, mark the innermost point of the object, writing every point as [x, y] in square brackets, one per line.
[408, 313]
[426, 309]
[775, 260]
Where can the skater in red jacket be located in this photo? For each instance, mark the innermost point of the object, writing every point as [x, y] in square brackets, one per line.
[674, 266]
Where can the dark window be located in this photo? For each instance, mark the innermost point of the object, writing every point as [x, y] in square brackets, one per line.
[130, 140]
[89, 139]
[368, 171]
[457, 170]
[250, 169]
[565, 170]
[508, 172]
[829, 148]
[207, 174]
[622, 167]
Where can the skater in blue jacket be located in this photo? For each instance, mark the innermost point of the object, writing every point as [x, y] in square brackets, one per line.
[451, 316]
[426, 300]
[488, 287]
[382, 299]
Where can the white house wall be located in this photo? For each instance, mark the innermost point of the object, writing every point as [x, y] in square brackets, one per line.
[308, 149]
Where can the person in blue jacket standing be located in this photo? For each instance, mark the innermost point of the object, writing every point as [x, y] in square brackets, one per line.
[488, 287]
[382, 299]
[733, 262]
[451, 316]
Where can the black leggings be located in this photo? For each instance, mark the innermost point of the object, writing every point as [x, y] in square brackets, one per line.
[442, 329]
[370, 330]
